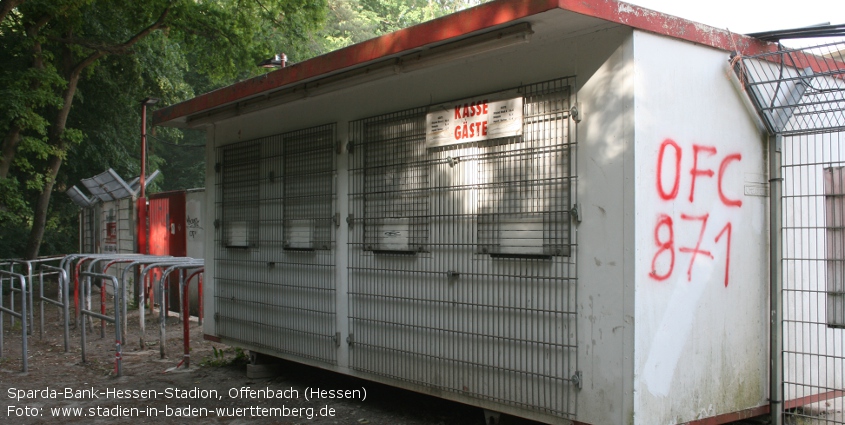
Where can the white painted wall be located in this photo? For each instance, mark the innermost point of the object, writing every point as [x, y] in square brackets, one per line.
[701, 332]
[606, 237]
[196, 223]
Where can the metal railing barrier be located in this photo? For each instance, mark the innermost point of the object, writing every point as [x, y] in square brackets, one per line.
[21, 315]
[63, 303]
[143, 275]
[118, 288]
[162, 310]
[184, 291]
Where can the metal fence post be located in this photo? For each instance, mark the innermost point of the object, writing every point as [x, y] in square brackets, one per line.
[776, 282]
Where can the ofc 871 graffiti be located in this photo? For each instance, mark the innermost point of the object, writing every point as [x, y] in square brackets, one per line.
[708, 167]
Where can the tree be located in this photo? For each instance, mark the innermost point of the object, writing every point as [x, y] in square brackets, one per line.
[56, 46]
[75, 70]
[353, 21]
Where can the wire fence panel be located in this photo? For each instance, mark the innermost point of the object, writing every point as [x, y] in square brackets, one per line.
[800, 94]
[275, 243]
[813, 314]
[462, 272]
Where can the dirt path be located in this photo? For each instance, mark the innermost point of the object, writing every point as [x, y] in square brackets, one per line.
[215, 389]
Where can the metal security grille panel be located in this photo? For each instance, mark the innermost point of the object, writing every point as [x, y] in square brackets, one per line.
[524, 193]
[308, 194]
[800, 94]
[496, 325]
[280, 294]
[239, 194]
[391, 163]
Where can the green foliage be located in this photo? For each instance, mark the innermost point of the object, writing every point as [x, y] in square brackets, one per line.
[193, 47]
[353, 21]
[231, 356]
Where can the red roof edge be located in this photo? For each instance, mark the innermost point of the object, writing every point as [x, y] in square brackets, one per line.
[459, 24]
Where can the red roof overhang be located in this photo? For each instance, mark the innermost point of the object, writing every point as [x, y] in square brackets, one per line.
[454, 26]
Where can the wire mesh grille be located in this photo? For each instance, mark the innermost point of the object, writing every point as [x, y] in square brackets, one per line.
[394, 169]
[813, 299]
[471, 303]
[800, 94]
[240, 187]
[279, 292]
[799, 91]
[87, 231]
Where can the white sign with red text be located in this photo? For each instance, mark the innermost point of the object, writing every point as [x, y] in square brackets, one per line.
[472, 120]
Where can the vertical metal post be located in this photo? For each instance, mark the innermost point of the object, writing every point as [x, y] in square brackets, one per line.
[142, 202]
[775, 281]
[165, 277]
[184, 290]
[66, 308]
[79, 314]
[199, 299]
[24, 324]
[142, 181]
[41, 301]
[31, 319]
[118, 337]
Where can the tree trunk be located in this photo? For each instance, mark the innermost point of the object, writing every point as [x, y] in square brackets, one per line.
[10, 146]
[57, 130]
[42, 204]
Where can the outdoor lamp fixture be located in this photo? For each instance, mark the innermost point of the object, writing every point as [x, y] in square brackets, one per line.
[277, 61]
[144, 103]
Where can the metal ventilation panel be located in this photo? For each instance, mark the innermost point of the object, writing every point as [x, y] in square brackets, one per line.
[108, 186]
[79, 198]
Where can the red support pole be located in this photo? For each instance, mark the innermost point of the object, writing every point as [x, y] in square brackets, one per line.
[141, 207]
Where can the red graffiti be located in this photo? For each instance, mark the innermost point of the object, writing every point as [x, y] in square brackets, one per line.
[727, 229]
[722, 167]
[697, 250]
[695, 171]
[676, 184]
[665, 246]
[664, 230]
